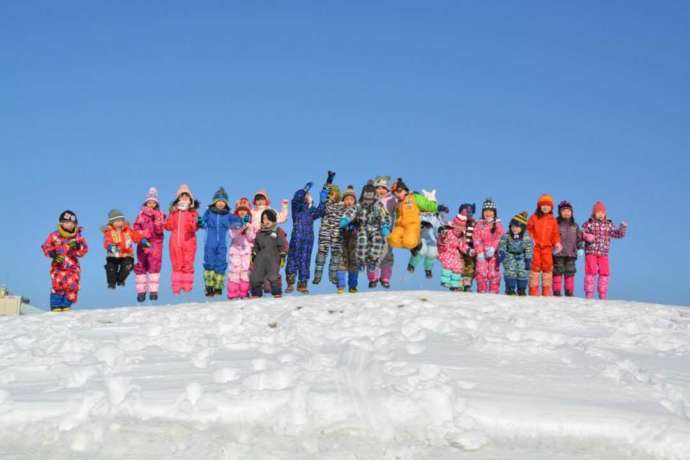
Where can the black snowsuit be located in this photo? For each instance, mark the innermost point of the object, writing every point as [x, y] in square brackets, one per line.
[268, 246]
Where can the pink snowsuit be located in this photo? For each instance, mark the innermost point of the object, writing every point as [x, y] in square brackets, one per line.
[150, 223]
[488, 268]
[451, 246]
[240, 255]
[183, 225]
[597, 235]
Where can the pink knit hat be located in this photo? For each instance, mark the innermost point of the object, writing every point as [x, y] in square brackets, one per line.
[184, 189]
[152, 196]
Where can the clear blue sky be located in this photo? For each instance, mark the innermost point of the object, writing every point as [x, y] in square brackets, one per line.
[584, 100]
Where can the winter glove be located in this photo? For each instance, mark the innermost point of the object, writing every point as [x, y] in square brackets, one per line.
[385, 231]
[112, 248]
[145, 243]
[324, 195]
[528, 264]
[331, 175]
[58, 259]
[283, 257]
[471, 252]
[558, 248]
[344, 222]
[442, 208]
[481, 257]
[308, 186]
[489, 252]
[200, 222]
[580, 252]
[246, 219]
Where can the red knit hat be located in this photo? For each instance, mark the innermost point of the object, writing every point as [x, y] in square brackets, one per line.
[243, 203]
[545, 199]
[599, 206]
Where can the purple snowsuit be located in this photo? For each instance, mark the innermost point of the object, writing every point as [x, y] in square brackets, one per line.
[302, 237]
[150, 223]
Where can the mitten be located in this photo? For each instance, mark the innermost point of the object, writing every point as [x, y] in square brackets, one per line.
[308, 186]
[385, 231]
[489, 252]
[145, 243]
[331, 175]
[74, 245]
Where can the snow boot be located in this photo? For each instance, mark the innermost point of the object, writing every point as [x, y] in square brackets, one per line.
[353, 290]
[210, 291]
[372, 284]
[318, 274]
[153, 296]
[141, 297]
[522, 292]
[410, 268]
[428, 274]
[340, 291]
[302, 287]
[385, 284]
[290, 279]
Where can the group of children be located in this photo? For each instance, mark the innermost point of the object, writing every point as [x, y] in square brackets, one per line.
[538, 253]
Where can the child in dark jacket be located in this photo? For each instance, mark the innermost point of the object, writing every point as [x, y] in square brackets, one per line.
[349, 267]
[304, 213]
[65, 246]
[266, 255]
[217, 220]
[564, 263]
[118, 240]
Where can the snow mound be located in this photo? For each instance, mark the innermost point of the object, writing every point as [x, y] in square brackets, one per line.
[399, 375]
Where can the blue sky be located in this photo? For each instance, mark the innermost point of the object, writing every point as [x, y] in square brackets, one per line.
[584, 100]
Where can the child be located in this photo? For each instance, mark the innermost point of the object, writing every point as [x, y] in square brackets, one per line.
[304, 213]
[182, 223]
[384, 271]
[349, 265]
[451, 245]
[240, 253]
[217, 220]
[515, 252]
[118, 239]
[597, 233]
[466, 214]
[564, 263]
[266, 255]
[372, 222]
[486, 238]
[543, 228]
[65, 246]
[330, 236]
[150, 224]
[407, 231]
[262, 202]
[428, 248]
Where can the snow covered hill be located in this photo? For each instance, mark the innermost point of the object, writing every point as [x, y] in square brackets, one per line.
[399, 375]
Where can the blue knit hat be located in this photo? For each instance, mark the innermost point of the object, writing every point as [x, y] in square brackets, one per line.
[220, 195]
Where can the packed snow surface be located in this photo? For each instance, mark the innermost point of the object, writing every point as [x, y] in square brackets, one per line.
[396, 375]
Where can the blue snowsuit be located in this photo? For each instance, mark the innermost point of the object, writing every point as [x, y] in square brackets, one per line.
[217, 223]
[302, 237]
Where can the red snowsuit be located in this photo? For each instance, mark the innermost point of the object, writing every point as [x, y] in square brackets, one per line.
[65, 276]
[183, 225]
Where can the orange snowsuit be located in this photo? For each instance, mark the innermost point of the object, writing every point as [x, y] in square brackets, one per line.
[544, 230]
[407, 232]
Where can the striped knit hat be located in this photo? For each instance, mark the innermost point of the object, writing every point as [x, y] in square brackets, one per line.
[519, 220]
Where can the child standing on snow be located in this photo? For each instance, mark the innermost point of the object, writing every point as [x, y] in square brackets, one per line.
[330, 236]
[372, 224]
[304, 213]
[266, 256]
[182, 223]
[118, 240]
[515, 252]
[486, 238]
[240, 252]
[65, 246]
[150, 223]
[543, 228]
[262, 202]
[451, 246]
[427, 250]
[217, 220]
[466, 214]
[349, 266]
[597, 233]
[383, 273]
[564, 263]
